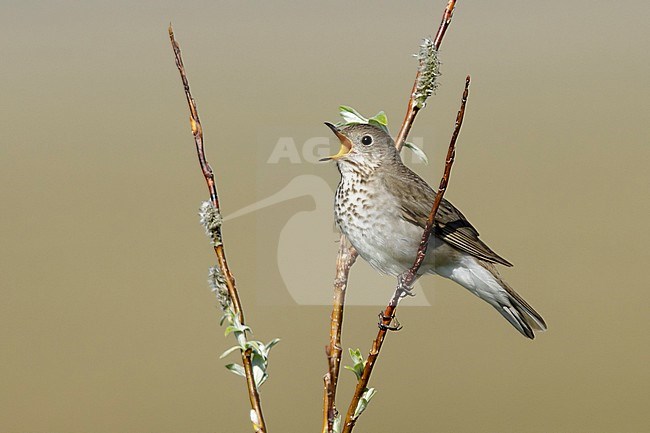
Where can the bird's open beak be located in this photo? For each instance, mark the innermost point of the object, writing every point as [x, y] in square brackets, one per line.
[346, 144]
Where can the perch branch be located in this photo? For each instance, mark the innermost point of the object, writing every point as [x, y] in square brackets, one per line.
[342, 272]
[407, 279]
[412, 108]
[346, 257]
[197, 132]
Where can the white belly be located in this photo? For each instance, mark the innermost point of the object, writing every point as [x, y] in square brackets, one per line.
[379, 233]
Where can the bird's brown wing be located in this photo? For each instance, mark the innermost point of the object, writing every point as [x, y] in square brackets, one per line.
[415, 202]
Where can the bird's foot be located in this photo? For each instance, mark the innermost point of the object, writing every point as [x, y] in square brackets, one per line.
[405, 285]
[393, 323]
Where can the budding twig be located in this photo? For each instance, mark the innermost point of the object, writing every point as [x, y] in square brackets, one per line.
[406, 280]
[214, 227]
[414, 106]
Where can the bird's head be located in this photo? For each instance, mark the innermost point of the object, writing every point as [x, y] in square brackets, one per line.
[363, 144]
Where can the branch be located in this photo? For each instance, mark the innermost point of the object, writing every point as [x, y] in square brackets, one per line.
[346, 257]
[197, 132]
[406, 280]
[413, 107]
[343, 270]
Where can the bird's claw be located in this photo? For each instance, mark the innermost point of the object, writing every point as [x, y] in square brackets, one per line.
[403, 293]
[393, 323]
[403, 287]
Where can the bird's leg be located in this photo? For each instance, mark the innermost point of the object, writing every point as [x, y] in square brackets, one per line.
[405, 281]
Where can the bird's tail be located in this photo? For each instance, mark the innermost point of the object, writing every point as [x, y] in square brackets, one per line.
[483, 279]
[521, 315]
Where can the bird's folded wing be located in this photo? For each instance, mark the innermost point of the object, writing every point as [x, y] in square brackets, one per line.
[451, 225]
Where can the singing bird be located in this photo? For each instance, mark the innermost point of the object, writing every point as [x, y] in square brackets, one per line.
[382, 206]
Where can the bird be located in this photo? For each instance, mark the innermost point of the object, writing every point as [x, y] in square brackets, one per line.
[382, 206]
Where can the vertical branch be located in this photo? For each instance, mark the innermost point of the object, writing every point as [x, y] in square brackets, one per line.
[413, 108]
[406, 280]
[197, 132]
[444, 23]
[347, 255]
[442, 188]
[342, 271]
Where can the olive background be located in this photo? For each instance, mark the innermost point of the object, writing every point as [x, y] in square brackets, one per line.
[106, 321]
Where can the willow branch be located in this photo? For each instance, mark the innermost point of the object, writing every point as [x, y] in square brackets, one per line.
[342, 272]
[407, 279]
[197, 132]
[412, 108]
[346, 257]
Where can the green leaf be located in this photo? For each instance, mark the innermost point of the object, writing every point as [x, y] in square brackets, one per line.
[374, 123]
[418, 152]
[381, 118]
[359, 363]
[272, 343]
[260, 348]
[236, 327]
[259, 369]
[254, 346]
[356, 356]
[368, 394]
[237, 369]
[351, 116]
[337, 426]
[353, 370]
[229, 351]
[266, 348]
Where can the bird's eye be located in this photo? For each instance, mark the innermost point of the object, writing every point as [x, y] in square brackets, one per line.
[366, 140]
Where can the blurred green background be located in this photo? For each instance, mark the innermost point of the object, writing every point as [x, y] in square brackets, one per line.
[106, 321]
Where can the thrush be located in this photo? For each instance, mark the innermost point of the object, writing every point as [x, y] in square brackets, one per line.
[382, 206]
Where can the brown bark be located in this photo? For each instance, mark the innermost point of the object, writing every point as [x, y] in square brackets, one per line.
[197, 132]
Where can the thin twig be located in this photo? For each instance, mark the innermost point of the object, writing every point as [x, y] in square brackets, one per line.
[346, 257]
[444, 24]
[412, 108]
[407, 279]
[197, 132]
